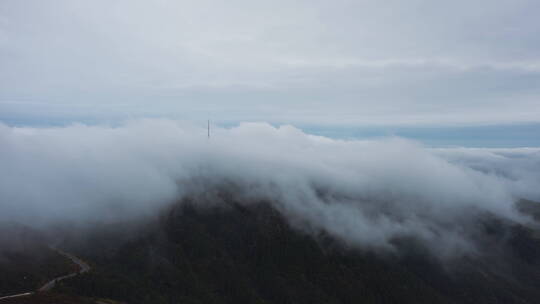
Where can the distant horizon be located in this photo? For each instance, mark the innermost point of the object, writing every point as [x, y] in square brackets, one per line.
[509, 135]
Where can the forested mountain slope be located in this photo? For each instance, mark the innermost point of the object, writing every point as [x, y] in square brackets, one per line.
[249, 254]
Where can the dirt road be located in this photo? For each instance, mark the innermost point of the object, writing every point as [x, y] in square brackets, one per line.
[83, 267]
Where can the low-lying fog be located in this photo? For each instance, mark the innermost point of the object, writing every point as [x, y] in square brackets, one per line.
[366, 193]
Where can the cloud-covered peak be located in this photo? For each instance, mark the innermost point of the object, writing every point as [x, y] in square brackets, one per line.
[366, 193]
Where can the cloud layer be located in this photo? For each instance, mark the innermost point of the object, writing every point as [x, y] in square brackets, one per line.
[355, 62]
[366, 193]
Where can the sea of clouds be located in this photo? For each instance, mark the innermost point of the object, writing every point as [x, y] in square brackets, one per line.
[364, 192]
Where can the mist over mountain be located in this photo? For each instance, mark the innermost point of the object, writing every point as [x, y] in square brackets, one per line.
[359, 152]
[366, 193]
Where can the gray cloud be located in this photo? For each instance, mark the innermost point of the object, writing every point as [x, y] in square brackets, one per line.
[366, 193]
[360, 62]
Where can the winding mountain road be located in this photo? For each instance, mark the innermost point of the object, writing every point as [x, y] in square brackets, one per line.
[83, 267]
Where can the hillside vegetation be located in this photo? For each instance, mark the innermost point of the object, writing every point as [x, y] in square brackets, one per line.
[26, 261]
[250, 254]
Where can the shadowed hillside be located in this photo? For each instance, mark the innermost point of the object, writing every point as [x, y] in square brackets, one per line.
[250, 254]
[26, 261]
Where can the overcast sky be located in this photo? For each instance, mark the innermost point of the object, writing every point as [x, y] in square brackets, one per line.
[416, 62]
